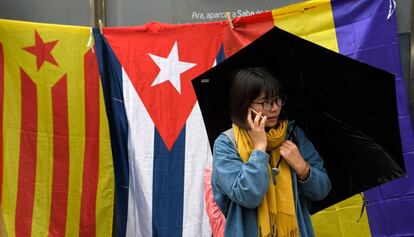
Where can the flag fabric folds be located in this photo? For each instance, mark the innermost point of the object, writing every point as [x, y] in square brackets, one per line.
[76, 153]
[56, 162]
[138, 68]
[366, 31]
[369, 33]
[146, 73]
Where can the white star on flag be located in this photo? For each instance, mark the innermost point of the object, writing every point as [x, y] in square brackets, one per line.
[170, 68]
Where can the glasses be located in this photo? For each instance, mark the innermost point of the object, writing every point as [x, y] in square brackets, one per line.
[268, 104]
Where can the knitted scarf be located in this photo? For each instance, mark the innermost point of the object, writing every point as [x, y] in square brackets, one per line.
[276, 213]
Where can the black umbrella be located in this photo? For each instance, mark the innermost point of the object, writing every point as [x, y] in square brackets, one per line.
[347, 108]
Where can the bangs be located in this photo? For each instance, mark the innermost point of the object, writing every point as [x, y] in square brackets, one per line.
[262, 81]
[271, 88]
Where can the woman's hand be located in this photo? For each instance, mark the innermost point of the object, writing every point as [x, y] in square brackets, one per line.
[256, 131]
[292, 156]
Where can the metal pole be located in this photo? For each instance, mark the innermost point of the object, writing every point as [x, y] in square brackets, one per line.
[97, 12]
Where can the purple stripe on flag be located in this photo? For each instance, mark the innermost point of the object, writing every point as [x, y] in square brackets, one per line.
[364, 33]
[391, 213]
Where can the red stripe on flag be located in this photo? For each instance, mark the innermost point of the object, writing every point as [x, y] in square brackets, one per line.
[1, 118]
[91, 158]
[58, 211]
[27, 161]
[249, 28]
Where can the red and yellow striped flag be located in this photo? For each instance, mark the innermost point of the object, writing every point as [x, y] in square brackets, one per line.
[56, 174]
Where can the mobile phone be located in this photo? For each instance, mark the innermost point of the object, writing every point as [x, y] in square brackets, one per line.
[255, 112]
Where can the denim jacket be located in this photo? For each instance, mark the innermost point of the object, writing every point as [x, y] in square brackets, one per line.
[239, 187]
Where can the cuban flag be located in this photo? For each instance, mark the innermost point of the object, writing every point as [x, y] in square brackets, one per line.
[159, 142]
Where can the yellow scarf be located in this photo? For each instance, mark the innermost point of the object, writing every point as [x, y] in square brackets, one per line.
[276, 213]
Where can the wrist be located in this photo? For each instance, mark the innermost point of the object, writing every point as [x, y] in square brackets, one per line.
[260, 148]
[305, 172]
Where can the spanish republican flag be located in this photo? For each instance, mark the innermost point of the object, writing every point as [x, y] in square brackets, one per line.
[56, 172]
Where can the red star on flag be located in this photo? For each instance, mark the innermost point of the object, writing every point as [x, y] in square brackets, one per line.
[42, 51]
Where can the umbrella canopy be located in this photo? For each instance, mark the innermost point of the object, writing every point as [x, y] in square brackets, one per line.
[346, 108]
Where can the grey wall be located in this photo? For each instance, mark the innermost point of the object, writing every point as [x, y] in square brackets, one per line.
[403, 15]
[135, 12]
[132, 12]
[69, 12]
[138, 12]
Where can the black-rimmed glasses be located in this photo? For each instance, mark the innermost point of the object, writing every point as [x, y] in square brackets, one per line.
[268, 104]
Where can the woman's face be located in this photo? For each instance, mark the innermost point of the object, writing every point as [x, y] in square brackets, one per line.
[270, 108]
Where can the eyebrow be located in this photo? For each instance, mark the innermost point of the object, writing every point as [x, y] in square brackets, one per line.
[260, 100]
[264, 98]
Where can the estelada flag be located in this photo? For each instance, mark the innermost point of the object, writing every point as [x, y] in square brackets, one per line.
[55, 156]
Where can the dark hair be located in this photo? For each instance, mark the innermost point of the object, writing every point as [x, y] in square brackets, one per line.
[247, 85]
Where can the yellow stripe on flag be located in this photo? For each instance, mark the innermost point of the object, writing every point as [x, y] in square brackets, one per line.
[12, 120]
[313, 21]
[104, 202]
[44, 162]
[342, 219]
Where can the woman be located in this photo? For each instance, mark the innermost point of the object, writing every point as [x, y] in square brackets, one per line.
[262, 182]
